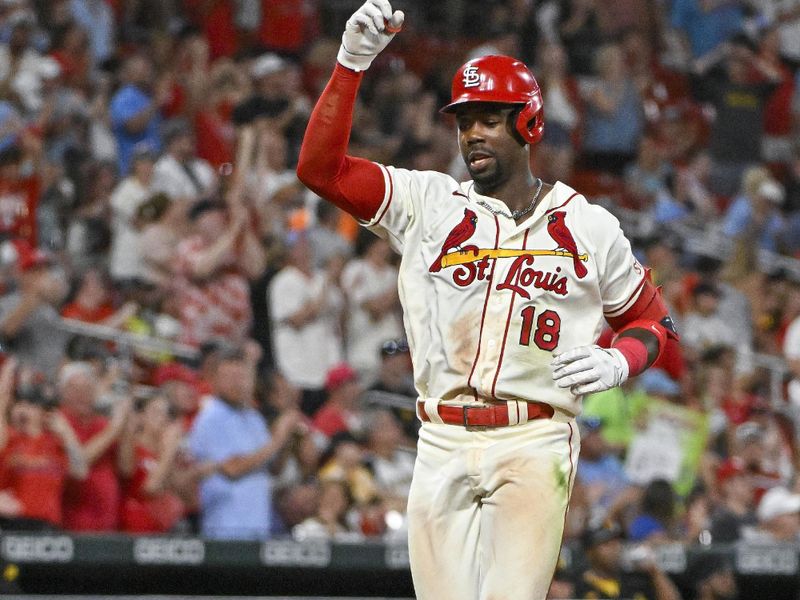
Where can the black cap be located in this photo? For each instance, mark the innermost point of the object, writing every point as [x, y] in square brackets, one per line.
[203, 206]
[600, 534]
[704, 566]
[706, 288]
[34, 394]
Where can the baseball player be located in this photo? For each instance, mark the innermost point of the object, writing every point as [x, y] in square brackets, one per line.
[506, 282]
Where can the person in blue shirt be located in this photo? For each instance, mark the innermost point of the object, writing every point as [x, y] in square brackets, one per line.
[706, 23]
[231, 435]
[136, 111]
[756, 212]
[600, 471]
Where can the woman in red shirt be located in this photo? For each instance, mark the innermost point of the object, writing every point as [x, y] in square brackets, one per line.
[147, 458]
[91, 302]
[38, 450]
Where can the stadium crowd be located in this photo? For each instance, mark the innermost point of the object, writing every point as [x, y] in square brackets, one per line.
[238, 369]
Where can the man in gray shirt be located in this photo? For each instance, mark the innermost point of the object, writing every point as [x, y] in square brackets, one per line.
[28, 317]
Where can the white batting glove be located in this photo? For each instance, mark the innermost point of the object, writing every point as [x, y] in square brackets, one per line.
[367, 32]
[589, 369]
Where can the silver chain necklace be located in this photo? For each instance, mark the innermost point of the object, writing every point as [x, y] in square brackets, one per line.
[516, 214]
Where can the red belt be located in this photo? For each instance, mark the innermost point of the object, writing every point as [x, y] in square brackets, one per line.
[495, 415]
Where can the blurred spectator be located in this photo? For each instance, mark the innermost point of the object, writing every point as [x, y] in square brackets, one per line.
[654, 522]
[330, 520]
[92, 504]
[754, 217]
[785, 16]
[601, 472]
[233, 439]
[212, 270]
[346, 462]
[563, 106]
[579, 30]
[726, 80]
[737, 507]
[712, 578]
[216, 134]
[179, 383]
[305, 338]
[370, 283]
[778, 514]
[28, 317]
[19, 196]
[614, 119]
[91, 302]
[791, 347]
[646, 178]
[88, 236]
[390, 462]
[300, 461]
[733, 305]
[691, 190]
[396, 377]
[147, 459]
[179, 173]
[703, 25]
[135, 110]
[279, 96]
[127, 198]
[703, 327]
[295, 504]
[164, 223]
[23, 69]
[340, 411]
[778, 117]
[96, 18]
[325, 238]
[38, 451]
[274, 187]
[604, 577]
[748, 444]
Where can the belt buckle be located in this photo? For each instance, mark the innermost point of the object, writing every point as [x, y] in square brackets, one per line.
[469, 427]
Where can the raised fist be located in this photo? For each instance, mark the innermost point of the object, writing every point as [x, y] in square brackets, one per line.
[367, 32]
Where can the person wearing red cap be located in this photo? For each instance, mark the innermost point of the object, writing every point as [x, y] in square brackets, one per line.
[340, 411]
[179, 384]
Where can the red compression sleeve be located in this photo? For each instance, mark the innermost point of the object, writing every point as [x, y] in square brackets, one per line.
[353, 184]
[634, 351]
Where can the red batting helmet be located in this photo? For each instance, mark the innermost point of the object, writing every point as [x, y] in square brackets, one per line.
[504, 80]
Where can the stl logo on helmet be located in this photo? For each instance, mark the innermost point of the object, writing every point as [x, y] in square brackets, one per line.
[471, 77]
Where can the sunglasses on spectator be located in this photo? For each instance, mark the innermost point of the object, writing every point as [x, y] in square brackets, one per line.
[393, 347]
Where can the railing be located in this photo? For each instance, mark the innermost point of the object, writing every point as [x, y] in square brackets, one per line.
[128, 340]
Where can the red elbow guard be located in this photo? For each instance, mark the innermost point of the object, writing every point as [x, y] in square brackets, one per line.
[656, 329]
[648, 313]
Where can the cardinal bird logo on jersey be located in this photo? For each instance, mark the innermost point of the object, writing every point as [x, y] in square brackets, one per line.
[559, 231]
[459, 234]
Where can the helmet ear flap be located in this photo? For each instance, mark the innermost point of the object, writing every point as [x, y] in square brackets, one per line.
[530, 123]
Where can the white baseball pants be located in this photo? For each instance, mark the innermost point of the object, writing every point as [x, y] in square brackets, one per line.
[487, 507]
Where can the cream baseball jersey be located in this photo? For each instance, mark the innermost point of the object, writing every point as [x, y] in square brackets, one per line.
[485, 300]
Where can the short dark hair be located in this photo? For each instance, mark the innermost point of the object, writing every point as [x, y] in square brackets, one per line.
[10, 156]
[206, 205]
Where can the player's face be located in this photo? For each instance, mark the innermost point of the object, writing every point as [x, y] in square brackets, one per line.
[488, 147]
